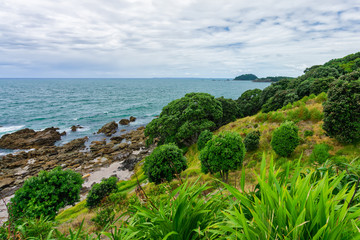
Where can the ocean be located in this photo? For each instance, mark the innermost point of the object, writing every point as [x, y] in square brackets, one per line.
[91, 103]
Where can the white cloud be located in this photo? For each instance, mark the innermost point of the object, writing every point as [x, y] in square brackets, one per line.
[144, 38]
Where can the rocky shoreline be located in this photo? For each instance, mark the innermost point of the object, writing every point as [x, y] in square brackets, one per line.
[115, 156]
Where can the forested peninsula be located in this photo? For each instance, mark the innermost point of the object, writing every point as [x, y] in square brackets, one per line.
[278, 163]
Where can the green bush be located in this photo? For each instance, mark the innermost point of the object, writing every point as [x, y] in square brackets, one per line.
[301, 113]
[103, 217]
[285, 139]
[320, 153]
[101, 190]
[204, 137]
[182, 120]
[224, 152]
[164, 162]
[251, 141]
[249, 102]
[322, 97]
[35, 228]
[308, 133]
[230, 109]
[342, 110]
[46, 193]
[320, 85]
[276, 117]
[262, 117]
[316, 115]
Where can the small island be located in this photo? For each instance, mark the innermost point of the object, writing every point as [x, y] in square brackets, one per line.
[254, 78]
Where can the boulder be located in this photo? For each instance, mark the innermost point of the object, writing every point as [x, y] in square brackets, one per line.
[124, 121]
[109, 128]
[132, 119]
[75, 127]
[75, 144]
[28, 138]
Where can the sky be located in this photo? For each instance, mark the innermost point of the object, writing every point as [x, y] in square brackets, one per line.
[166, 38]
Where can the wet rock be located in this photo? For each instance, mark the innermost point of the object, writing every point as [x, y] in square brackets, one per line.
[63, 133]
[117, 138]
[132, 119]
[124, 121]
[75, 144]
[28, 138]
[109, 129]
[75, 127]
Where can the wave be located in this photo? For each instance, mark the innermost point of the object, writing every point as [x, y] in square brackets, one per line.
[6, 129]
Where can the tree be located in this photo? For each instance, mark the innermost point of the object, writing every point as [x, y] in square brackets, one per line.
[251, 141]
[342, 109]
[164, 162]
[249, 102]
[46, 193]
[204, 137]
[224, 152]
[280, 98]
[100, 190]
[303, 89]
[285, 139]
[231, 110]
[320, 85]
[182, 120]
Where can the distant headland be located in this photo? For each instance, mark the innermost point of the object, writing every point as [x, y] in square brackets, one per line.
[254, 78]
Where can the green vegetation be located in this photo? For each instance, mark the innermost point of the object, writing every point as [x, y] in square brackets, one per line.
[182, 120]
[164, 162]
[46, 193]
[101, 190]
[246, 77]
[249, 102]
[320, 153]
[204, 137]
[231, 110]
[342, 109]
[251, 141]
[285, 139]
[224, 152]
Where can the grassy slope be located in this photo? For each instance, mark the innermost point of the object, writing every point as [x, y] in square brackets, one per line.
[265, 123]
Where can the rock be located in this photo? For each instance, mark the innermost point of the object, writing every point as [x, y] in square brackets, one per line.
[63, 133]
[109, 129]
[123, 145]
[75, 144]
[6, 182]
[117, 138]
[124, 121]
[132, 119]
[28, 138]
[75, 127]
[122, 130]
[140, 128]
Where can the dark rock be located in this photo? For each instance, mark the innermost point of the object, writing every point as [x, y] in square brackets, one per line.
[132, 119]
[124, 121]
[63, 133]
[28, 138]
[117, 138]
[75, 144]
[129, 163]
[109, 129]
[75, 127]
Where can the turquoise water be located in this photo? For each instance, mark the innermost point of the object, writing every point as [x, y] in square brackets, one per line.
[41, 103]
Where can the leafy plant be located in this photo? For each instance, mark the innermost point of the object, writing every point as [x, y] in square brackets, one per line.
[308, 133]
[39, 228]
[101, 190]
[320, 153]
[204, 137]
[224, 152]
[249, 102]
[251, 141]
[285, 139]
[182, 120]
[103, 217]
[164, 162]
[46, 193]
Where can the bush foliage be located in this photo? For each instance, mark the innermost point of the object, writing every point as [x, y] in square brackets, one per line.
[182, 120]
[101, 190]
[224, 152]
[164, 162]
[285, 139]
[46, 193]
[249, 102]
[204, 137]
[251, 141]
[320, 153]
[342, 110]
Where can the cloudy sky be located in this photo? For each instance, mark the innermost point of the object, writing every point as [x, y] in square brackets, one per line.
[166, 38]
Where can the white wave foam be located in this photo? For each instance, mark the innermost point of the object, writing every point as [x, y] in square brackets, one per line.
[7, 129]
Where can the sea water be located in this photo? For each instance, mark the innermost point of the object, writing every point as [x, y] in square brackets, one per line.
[91, 103]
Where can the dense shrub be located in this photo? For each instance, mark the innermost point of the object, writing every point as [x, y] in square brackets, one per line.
[101, 190]
[204, 137]
[230, 109]
[251, 141]
[308, 133]
[316, 115]
[249, 102]
[301, 113]
[276, 117]
[164, 162]
[224, 152]
[46, 193]
[303, 89]
[342, 110]
[320, 85]
[322, 97]
[261, 117]
[103, 217]
[280, 99]
[320, 153]
[285, 139]
[182, 120]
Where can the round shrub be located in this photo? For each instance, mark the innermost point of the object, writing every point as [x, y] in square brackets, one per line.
[251, 141]
[342, 110]
[164, 162]
[224, 152]
[285, 139]
[46, 193]
[320, 153]
[204, 137]
[101, 190]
